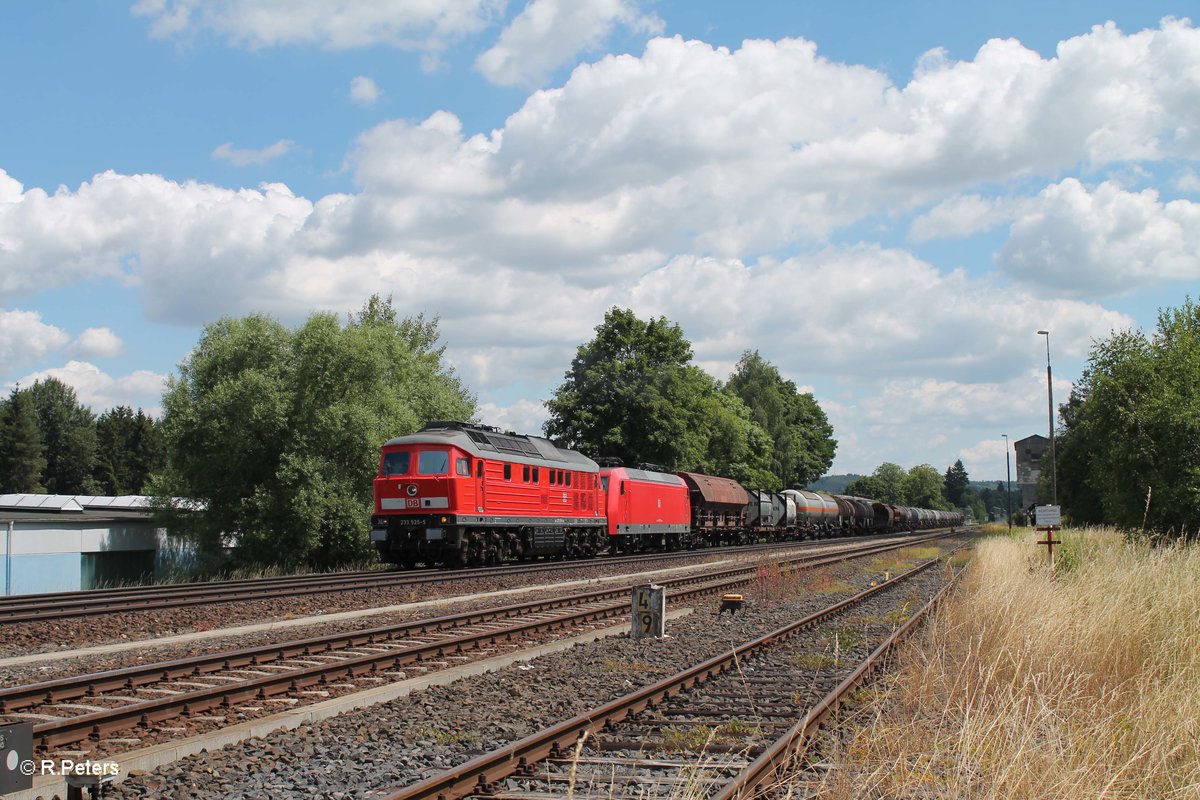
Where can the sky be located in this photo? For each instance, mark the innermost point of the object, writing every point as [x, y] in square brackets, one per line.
[886, 200]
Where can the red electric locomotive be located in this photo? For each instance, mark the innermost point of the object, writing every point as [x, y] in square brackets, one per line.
[646, 509]
[457, 494]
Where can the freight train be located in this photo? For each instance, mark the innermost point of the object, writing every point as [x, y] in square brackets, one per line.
[459, 494]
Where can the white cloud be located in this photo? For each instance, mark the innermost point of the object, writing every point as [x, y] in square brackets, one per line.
[100, 391]
[657, 182]
[524, 416]
[962, 216]
[25, 339]
[867, 312]
[1106, 241]
[550, 33]
[96, 343]
[364, 91]
[335, 24]
[195, 249]
[241, 157]
[686, 149]
[1188, 181]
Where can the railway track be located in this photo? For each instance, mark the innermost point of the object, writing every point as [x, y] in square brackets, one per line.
[722, 729]
[214, 687]
[54, 607]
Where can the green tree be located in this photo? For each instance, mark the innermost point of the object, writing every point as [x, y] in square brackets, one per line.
[69, 434]
[22, 454]
[956, 483]
[129, 450]
[923, 488]
[632, 392]
[979, 511]
[885, 484]
[803, 446]
[1132, 429]
[277, 432]
[865, 486]
[737, 447]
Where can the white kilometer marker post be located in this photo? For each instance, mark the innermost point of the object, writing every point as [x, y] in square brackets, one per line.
[649, 611]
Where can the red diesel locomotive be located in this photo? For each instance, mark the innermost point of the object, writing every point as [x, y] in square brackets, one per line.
[464, 494]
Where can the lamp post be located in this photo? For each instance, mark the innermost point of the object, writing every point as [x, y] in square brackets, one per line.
[1050, 396]
[1008, 478]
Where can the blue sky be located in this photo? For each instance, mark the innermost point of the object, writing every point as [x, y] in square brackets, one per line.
[887, 200]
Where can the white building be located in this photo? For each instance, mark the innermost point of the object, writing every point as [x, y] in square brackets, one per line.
[55, 543]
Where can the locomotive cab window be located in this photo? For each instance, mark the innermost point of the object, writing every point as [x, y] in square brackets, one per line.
[395, 463]
[433, 462]
[463, 467]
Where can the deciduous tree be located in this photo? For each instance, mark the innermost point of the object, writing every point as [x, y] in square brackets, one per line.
[632, 393]
[277, 431]
[1132, 424]
[802, 440]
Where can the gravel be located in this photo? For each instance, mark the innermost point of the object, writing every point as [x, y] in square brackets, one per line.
[379, 748]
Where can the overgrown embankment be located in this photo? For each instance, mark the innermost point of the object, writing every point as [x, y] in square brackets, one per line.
[1086, 686]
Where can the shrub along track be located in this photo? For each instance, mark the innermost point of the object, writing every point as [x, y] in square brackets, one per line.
[722, 728]
[210, 691]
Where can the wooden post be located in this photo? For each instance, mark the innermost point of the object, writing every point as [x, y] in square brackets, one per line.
[1049, 542]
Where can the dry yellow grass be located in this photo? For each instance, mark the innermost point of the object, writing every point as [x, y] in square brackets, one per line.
[1084, 687]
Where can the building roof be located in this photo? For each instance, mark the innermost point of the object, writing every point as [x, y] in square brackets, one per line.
[1031, 438]
[80, 506]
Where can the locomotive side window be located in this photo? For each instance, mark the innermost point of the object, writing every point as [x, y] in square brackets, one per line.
[508, 472]
[433, 462]
[395, 463]
[463, 467]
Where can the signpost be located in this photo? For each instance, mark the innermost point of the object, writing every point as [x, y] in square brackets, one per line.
[1048, 520]
[16, 754]
[649, 611]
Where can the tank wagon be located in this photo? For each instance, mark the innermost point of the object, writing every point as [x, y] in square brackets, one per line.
[455, 493]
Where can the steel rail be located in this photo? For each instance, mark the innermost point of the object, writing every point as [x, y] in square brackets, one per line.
[770, 766]
[122, 592]
[480, 774]
[66, 605]
[72, 729]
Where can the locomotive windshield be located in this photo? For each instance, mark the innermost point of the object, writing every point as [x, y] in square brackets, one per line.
[433, 462]
[395, 463]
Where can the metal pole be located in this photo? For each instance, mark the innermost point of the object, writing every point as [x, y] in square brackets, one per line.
[1008, 480]
[8, 559]
[1050, 397]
